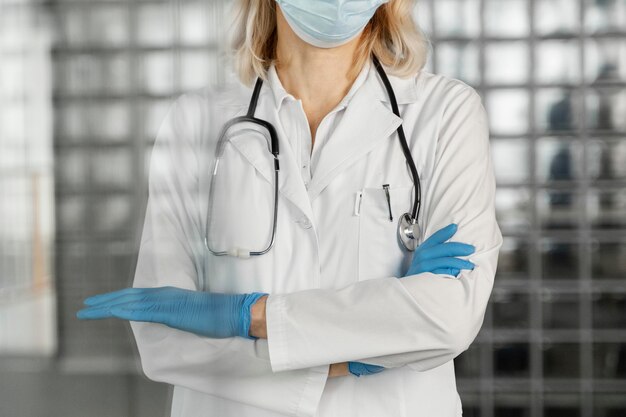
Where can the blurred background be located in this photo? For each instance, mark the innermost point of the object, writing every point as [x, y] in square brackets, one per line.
[84, 85]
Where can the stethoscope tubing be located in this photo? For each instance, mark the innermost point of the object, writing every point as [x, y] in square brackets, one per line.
[273, 145]
[274, 149]
[403, 142]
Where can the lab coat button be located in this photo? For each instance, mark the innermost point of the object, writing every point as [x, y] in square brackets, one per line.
[304, 223]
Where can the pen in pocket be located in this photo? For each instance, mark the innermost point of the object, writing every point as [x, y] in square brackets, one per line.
[386, 188]
[357, 203]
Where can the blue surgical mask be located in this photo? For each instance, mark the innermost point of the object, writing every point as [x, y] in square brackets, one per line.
[328, 23]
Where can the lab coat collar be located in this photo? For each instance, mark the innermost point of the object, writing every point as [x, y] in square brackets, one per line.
[404, 88]
[367, 123]
[280, 94]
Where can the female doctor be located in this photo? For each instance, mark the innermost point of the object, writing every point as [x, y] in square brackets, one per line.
[282, 284]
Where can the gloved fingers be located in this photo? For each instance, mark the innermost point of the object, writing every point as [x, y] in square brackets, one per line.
[135, 311]
[133, 294]
[373, 369]
[139, 310]
[359, 368]
[453, 249]
[99, 312]
[440, 271]
[447, 271]
[125, 298]
[444, 249]
[100, 306]
[106, 297]
[439, 236]
[433, 264]
[94, 313]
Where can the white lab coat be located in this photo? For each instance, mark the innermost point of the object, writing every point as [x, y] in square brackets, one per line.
[335, 275]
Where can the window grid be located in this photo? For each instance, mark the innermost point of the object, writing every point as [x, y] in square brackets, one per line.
[101, 211]
[537, 284]
[96, 252]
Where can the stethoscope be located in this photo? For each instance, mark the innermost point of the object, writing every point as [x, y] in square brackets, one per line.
[408, 228]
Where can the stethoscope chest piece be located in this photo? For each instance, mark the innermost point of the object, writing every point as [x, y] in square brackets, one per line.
[408, 231]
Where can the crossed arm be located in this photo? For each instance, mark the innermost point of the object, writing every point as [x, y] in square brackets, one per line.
[218, 315]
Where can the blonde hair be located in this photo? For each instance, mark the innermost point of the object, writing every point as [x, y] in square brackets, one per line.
[392, 35]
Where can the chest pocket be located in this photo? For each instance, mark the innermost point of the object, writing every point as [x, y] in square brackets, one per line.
[381, 253]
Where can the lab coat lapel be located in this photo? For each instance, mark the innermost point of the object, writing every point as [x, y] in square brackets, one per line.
[290, 182]
[368, 120]
[366, 123]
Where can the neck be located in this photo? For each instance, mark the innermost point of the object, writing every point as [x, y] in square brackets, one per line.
[320, 77]
[315, 74]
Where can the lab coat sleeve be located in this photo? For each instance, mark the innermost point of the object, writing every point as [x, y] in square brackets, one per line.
[170, 254]
[425, 319]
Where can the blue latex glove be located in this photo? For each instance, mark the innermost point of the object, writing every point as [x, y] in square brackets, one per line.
[435, 256]
[207, 314]
[358, 368]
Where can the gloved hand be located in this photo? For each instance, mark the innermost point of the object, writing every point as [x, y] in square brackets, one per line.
[435, 256]
[358, 368]
[207, 314]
